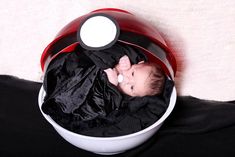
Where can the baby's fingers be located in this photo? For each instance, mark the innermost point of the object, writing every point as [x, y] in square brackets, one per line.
[124, 60]
[124, 66]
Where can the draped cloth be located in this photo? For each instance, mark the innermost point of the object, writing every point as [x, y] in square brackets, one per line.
[80, 98]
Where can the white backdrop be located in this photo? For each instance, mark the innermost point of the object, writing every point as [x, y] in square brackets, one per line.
[202, 33]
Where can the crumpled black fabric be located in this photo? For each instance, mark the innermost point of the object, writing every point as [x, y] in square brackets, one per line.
[80, 98]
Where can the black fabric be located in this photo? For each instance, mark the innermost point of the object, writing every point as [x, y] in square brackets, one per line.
[195, 128]
[81, 99]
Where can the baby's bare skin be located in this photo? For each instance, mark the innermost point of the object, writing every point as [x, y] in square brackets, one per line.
[135, 77]
[123, 65]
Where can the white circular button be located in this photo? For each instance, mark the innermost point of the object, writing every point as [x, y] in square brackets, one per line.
[98, 31]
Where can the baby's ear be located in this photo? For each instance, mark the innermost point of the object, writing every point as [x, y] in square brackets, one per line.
[140, 62]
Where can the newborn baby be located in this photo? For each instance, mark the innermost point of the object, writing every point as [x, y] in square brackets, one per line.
[140, 79]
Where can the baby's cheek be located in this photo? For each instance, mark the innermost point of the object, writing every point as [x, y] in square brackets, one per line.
[124, 89]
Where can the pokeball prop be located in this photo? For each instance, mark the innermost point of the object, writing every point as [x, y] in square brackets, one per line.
[98, 30]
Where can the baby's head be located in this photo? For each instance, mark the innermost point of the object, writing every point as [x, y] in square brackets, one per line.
[142, 79]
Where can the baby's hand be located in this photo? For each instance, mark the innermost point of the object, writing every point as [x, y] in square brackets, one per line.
[112, 76]
[124, 63]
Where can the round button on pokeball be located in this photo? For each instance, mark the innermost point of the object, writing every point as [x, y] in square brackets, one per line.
[97, 32]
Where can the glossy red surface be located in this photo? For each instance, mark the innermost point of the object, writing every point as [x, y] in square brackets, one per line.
[126, 21]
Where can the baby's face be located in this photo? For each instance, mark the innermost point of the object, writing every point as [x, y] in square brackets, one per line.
[136, 80]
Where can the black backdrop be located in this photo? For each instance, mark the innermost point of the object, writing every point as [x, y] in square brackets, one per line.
[195, 128]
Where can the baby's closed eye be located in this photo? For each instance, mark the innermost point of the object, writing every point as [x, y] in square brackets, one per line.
[132, 88]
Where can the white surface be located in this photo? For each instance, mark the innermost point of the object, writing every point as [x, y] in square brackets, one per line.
[109, 145]
[201, 33]
[98, 31]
